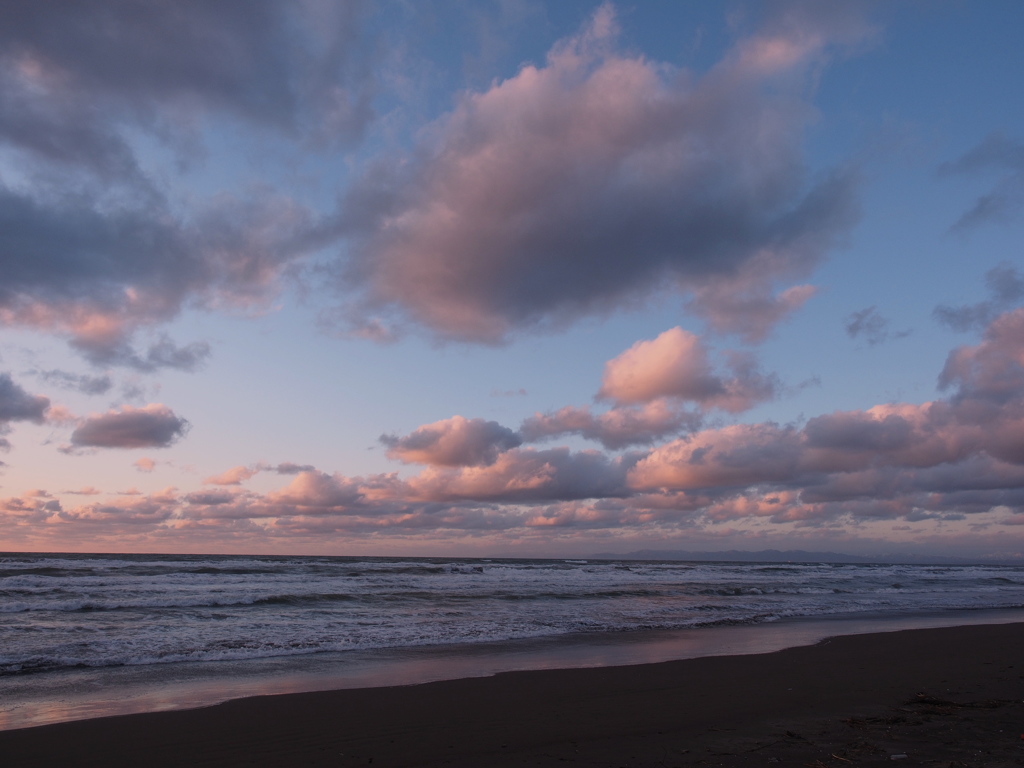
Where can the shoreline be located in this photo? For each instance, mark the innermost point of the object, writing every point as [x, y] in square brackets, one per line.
[36, 699]
[933, 694]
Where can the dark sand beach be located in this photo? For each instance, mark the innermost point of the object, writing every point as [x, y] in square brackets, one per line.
[950, 697]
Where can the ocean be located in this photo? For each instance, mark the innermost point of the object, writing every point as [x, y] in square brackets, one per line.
[82, 635]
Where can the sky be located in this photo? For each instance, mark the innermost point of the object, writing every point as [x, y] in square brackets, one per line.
[511, 277]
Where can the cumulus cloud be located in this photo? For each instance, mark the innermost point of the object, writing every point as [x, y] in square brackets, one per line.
[453, 442]
[869, 324]
[676, 364]
[651, 385]
[585, 183]
[152, 426]
[960, 454]
[616, 428]
[1003, 202]
[734, 456]
[1005, 288]
[954, 459]
[993, 370]
[747, 304]
[524, 475]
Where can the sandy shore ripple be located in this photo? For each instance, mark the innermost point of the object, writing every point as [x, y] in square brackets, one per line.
[950, 697]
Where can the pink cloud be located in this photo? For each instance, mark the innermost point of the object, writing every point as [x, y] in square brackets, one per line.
[797, 33]
[524, 474]
[676, 364]
[318, 491]
[85, 284]
[234, 476]
[453, 442]
[616, 428]
[650, 384]
[739, 455]
[597, 178]
[994, 369]
[746, 304]
[949, 457]
[935, 466]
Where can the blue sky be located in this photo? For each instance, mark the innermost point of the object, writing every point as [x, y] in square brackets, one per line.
[512, 278]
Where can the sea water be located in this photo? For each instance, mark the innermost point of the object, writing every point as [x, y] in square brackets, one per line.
[82, 635]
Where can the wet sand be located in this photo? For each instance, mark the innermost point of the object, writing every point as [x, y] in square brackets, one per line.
[951, 697]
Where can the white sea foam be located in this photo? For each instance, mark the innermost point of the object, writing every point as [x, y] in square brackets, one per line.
[100, 611]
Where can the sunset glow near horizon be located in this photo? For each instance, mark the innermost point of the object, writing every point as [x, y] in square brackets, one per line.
[512, 278]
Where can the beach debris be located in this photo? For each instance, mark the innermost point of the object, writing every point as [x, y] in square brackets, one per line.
[900, 756]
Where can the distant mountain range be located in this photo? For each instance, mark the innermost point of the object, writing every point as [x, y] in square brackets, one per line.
[800, 556]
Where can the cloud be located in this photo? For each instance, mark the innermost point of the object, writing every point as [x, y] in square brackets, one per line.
[145, 464]
[85, 491]
[616, 428]
[676, 365]
[524, 475]
[1005, 287]
[872, 326]
[238, 475]
[746, 304]
[153, 426]
[649, 384]
[453, 442]
[953, 454]
[288, 468]
[162, 354]
[956, 461]
[948, 462]
[96, 271]
[18, 405]
[992, 371]
[590, 182]
[318, 491]
[94, 244]
[87, 385]
[999, 153]
[233, 476]
[290, 68]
